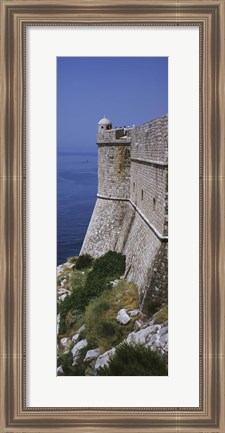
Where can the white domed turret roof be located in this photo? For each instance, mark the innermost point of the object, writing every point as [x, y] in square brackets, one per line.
[105, 121]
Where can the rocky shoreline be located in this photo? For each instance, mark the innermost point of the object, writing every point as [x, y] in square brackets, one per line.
[147, 333]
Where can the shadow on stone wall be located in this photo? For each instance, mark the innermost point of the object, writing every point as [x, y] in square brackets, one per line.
[156, 292]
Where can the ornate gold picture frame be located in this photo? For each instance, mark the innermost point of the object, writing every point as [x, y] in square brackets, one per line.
[16, 16]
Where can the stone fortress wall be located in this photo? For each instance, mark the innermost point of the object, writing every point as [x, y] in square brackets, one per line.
[131, 211]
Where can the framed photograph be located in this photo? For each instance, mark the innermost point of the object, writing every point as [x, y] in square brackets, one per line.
[112, 222]
[113, 297]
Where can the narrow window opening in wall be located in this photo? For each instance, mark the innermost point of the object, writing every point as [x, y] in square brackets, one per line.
[154, 203]
[111, 154]
[142, 194]
[133, 186]
[127, 154]
[120, 168]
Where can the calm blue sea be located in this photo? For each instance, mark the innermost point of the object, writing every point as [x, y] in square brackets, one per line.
[76, 195]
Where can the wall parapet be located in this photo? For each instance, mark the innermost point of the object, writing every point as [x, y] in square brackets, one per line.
[150, 162]
[112, 135]
[119, 142]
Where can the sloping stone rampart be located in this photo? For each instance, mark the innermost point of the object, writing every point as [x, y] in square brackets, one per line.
[117, 226]
[108, 227]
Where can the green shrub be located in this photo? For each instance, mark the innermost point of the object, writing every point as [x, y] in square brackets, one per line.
[162, 315]
[108, 328]
[85, 288]
[105, 333]
[69, 304]
[101, 312]
[82, 297]
[77, 279]
[59, 279]
[135, 360]
[66, 362]
[72, 259]
[112, 265]
[100, 307]
[106, 268]
[84, 261]
[71, 318]
[102, 328]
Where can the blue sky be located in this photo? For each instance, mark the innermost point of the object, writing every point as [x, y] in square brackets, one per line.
[128, 90]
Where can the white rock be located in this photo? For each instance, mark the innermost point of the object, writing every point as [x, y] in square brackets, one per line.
[141, 337]
[153, 348]
[65, 342]
[133, 313]
[122, 317]
[63, 282]
[165, 348]
[62, 291]
[61, 298]
[92, 354]
[152, 340]
[59, 270]
[164, 339]
[104, 358]
[163, 330]
[82, 328]
[157, 347]
[60, 370]
[138, 323]
[137, 337]
[58, 323]
[114, 283]
[158, 342]
[151, 322]
[76, 350]
[75, 337]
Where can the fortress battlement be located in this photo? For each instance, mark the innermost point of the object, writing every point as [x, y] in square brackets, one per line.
[118, 135]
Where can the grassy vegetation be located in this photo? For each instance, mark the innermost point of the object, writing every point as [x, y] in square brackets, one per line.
[135, 360]
[105, 269]
[95, 302]
[70, 313]
[87, 285]
[102, 329]
[72, 259]
[77, 279]
[84, 261]
[161, 316]
[66, 362]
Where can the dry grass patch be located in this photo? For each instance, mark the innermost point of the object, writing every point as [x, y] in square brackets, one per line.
[161, 316]
[102, 329]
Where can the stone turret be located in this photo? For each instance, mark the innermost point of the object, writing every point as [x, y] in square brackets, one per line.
[104, 124]
[113, 161]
